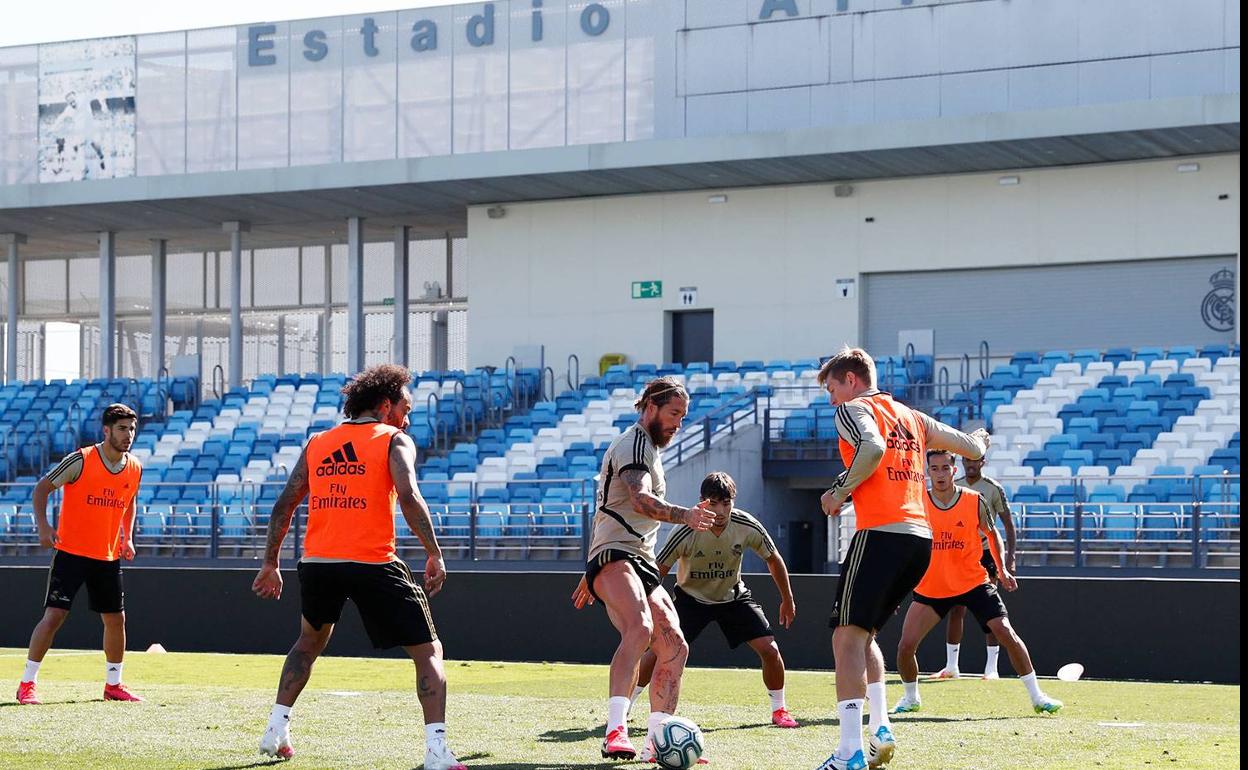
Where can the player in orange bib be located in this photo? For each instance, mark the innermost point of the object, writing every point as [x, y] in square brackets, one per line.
[882, 444]
[352, 475]
[957, 577]
[98, 486]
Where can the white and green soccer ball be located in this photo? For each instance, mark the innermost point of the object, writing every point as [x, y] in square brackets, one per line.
[677, 744]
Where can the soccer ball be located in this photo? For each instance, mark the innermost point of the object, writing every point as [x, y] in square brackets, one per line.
[677, 743]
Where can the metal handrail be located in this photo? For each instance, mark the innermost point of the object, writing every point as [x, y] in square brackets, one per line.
[574, 380]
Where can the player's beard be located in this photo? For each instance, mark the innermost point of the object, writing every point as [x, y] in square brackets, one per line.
[118, 445]
[655, 431]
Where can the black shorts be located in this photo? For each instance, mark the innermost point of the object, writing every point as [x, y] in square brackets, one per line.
[879, 571]
[989, 564]
[394, 609]
[69, 572]
[742, 619]
[983, 601]
[647, 573]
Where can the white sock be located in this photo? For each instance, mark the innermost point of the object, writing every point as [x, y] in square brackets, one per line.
[850, 712]
[637, 691]
[1033, 687]
[912, 690]
[279, 718]
[656, 718]
[951, 656]
[990, 668]
[878, 702]
[32, 671]
[777, 699]
[617, 712]
[113, 673]
[435, 734]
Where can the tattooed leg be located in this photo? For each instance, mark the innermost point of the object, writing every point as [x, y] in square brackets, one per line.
[430, 680]
[299, 660]
[670, 651]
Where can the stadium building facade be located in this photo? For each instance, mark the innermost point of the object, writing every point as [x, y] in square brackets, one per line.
[697, 179]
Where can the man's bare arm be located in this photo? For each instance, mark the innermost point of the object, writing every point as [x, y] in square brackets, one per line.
[648, 504]
[292, 495]
[411, 502]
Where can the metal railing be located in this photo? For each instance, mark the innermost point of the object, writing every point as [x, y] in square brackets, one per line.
[230, 521]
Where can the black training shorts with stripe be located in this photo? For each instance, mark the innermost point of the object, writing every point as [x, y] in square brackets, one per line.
[394, 609]
[879, 571]
[646, 572]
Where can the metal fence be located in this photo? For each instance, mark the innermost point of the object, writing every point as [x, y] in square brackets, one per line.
[230, 521]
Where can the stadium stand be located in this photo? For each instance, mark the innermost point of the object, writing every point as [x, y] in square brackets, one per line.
[1111, 448]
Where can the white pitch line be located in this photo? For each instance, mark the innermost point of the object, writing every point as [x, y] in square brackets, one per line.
[54, 654]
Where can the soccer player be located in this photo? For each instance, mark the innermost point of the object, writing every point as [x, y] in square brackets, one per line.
[96, 529]
[956, 577]
[994, 495]
[622, 572]
[709, 588]
[882, 444]
[352, 475]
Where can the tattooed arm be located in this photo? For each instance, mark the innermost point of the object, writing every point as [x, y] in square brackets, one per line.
[415, 510]
[268, 583]
[650, 505]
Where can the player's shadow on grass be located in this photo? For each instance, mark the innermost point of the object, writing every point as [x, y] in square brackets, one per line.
[574, 735]
[47, 704]
[260, 763]
[832, 722]
[477, 764]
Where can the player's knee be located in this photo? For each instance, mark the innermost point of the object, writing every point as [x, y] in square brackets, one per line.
[114, 619]
[907, 648]
[54, 617]
[770, 653]
[640, 633]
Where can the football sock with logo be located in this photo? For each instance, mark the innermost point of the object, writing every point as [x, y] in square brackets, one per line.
[850, 712]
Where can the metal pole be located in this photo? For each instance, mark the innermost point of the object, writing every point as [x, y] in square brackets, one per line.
[236, 230]
[450, 266]
[108, 300]
[355, 294]
[158, 305]
[10, 347]
[401, 257]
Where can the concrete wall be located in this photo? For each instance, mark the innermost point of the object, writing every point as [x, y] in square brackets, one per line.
[559, 273]
[1111, 626]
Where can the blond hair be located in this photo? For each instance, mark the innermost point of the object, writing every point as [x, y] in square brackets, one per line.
[848, 360]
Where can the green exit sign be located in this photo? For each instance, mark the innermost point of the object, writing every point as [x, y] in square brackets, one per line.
[647, 289]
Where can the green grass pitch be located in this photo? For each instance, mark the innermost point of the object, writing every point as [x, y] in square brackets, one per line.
[207, 711]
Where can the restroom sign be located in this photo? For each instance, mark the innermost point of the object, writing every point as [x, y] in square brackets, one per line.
[688, 296]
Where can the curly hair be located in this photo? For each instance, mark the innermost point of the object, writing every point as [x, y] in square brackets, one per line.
[659, 391]
[373, 385]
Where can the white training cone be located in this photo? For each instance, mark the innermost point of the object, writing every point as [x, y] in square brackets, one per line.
[156, 648]
[1070, 672]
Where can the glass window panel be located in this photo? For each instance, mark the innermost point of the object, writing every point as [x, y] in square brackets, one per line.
[44, 286]
[316, 92]
[538, 76]
[160, 104]
[134, 284]
[19, 110]
[264, 102]
[378, 272]
[184, 280]
[210, 100]
[277, 277]
[313, 275]
[370, 84]
[639, 70]
[84, 285]
[459, 254]
[596, 76]
[425, 83]
[480, 81]
[426, 265]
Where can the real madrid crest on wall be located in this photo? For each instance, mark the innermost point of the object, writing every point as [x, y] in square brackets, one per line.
[1218, 307]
